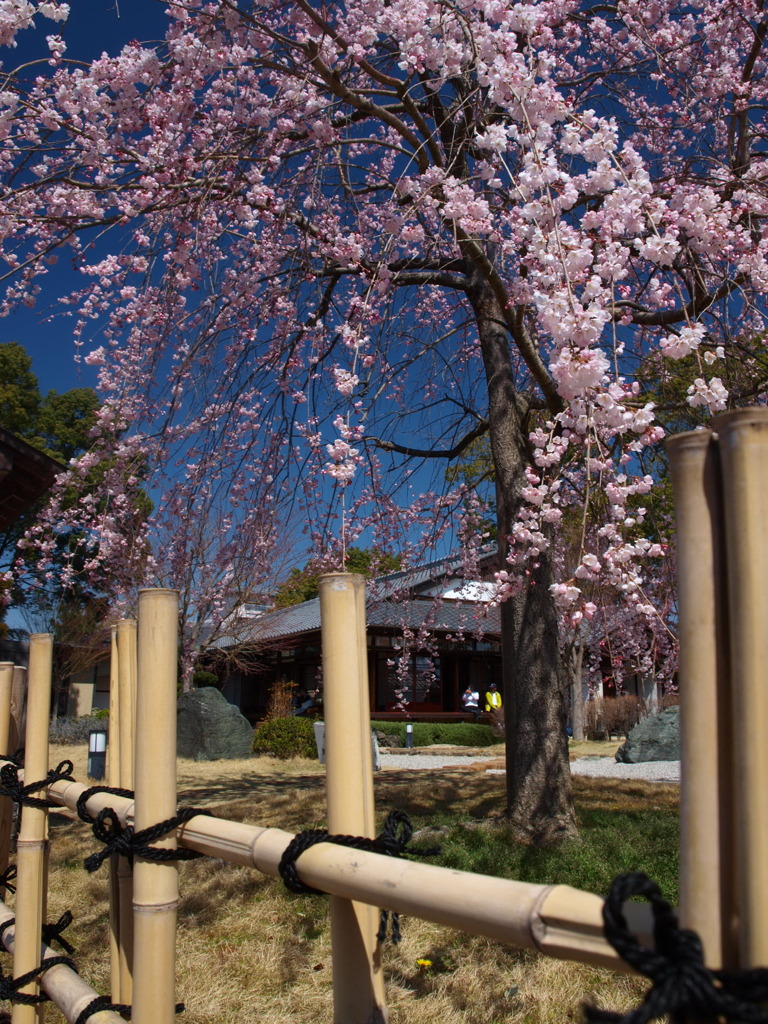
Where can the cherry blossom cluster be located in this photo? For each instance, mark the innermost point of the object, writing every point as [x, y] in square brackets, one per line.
[298, 228]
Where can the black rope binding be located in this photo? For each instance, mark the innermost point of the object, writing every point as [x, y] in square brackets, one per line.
[85, 796]
[104, 1003]
[9, 987]
[394, 837]
[682, 985]
[123, 839]
[7, 877]
[12, 786]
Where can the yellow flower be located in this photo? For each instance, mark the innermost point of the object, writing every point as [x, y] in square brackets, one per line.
[423, 963]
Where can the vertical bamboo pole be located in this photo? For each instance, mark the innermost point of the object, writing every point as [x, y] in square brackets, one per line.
[706, 828]
[18, 707]
[358, 986]
[6, 804]
[126, 660]
[33, 840]
[113, 779]
[113, 746]
[743, 441]
[155, 885]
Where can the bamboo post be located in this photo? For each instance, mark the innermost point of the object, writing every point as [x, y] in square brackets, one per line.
[113, 780]
[743, 442]
[113, 746]
[358, 986]
[6, 804]
[33, 838]
[126, 661]
[706, 829]
[155, 885]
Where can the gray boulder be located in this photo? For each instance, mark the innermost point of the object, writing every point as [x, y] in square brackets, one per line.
[210, 728]
[656, 738]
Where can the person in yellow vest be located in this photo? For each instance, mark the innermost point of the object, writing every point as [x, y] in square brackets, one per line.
[492, 698]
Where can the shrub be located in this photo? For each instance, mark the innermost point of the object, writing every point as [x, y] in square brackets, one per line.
[459, 734]
[610, 716]
[285, 738]
[75, 730]
[201, 677]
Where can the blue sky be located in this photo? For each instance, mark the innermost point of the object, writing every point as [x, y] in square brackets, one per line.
[94, 26]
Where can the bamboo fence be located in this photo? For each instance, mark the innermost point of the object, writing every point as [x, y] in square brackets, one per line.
[722, 503]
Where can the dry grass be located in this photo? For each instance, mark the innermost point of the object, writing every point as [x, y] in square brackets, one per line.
[250, 951]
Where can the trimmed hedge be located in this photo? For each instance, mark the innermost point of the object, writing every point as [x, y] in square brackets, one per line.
[458, 734]
[285, 738]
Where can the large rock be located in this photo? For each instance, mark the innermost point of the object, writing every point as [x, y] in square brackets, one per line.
[656, 738]
[210, 728]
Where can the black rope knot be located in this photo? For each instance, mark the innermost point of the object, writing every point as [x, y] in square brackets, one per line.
[392, 840]
[52, 932]
[682, 984]
[124, 840]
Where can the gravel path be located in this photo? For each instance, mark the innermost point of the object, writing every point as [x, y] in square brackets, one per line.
[596, 767]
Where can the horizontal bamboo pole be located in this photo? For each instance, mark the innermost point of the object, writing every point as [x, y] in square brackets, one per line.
[65, 988]
[556, 920]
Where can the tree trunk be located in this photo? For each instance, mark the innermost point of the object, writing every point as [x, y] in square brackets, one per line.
[577, 691]
[539, 797]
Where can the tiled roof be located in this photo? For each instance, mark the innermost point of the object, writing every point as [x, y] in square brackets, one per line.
[386, 608]
[441, 617]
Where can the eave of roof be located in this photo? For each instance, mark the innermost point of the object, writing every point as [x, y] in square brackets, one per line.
[25, 475]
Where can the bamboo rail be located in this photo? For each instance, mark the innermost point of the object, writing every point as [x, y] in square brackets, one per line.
[557, 920]
[60, 983]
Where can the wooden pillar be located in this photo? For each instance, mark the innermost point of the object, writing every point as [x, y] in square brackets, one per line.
[358, 987]
[706, 826]
[155, 884]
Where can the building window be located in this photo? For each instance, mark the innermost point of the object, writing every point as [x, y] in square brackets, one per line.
[421, 685]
